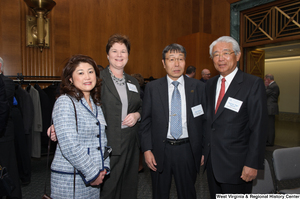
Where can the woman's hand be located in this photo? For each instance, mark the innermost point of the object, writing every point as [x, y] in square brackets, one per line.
[51, 131]
[131, 119]
[99, 179]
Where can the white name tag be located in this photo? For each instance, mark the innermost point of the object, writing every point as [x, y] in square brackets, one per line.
[102, 120]
[233, 104]
[197, 110]
[132, 87]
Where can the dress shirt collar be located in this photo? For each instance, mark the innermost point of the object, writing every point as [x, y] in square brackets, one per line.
[229, 77]
[180, 80]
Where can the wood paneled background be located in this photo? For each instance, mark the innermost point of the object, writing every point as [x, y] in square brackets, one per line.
[84, 27]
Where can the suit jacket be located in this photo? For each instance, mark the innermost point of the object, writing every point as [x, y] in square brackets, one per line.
[272, 98]
[236, 139]
[4, 108]
[112, 108]
[9, 90]
[155, 118]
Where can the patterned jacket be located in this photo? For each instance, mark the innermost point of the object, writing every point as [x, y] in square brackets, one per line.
[83, 149]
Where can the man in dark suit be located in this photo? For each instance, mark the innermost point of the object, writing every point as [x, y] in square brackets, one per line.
[205, 75]
[273, 92]
[172, 151]
[236, 123]
[190, 71]
[7, 147]
[4, 108]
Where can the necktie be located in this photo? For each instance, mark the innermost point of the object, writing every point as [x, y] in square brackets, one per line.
[221, 95]
[176, 125]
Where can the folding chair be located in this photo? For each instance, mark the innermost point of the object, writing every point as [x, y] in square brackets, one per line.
[286, 163]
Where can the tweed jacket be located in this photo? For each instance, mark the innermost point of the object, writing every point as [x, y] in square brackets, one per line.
[83, 149]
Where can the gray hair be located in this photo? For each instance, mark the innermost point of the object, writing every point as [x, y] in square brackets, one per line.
[227, 39]
[269, 76]
[2, 65]
[173, 48]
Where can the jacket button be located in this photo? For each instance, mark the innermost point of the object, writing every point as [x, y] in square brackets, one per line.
[213, 129]
[208, 144]
[97, 123]
[98, 148]
[98, 136]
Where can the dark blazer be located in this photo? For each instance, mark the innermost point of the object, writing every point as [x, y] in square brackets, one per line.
[272, 98]
[155, 118]
[236, 139]
[112, 108]
[4, 108]
[9, 90]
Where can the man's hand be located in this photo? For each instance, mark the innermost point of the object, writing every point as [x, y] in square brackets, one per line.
[202, 160]
[51, 131]
[150, 160]
[248, 174]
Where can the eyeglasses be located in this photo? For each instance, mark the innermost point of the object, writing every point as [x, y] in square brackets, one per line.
[225, 54]
[172, 59]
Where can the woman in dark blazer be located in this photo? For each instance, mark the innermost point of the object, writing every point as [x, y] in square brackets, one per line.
[121, 104]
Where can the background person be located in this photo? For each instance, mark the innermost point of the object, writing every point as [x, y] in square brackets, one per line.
[205, 75]
[80, 146]
[272, 90]
[4, 108]
[7, 146]
[190, 71]
[236, 123]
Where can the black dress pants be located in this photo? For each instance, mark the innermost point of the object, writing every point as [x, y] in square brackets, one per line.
[179, 163]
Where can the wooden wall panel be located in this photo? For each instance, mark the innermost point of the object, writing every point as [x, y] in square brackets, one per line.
[10, 36]
[197, 47]
[84, 27]
[220, 20]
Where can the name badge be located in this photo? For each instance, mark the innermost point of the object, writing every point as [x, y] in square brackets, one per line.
[102, 120]
[233, 104]
[197, 110]
[132, 87]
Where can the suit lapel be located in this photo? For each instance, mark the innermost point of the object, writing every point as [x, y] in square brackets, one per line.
[129, 93]
[233, 88]
[189, 93]
[109, 83]
[212, 96]
[163, 93]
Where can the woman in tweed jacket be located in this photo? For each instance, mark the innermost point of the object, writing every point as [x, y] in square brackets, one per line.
[81, 143]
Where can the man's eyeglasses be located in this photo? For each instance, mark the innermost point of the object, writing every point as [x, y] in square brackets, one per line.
[225, 54]
[172, 59]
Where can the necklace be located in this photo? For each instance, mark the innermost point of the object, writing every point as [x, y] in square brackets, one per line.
[119, 81]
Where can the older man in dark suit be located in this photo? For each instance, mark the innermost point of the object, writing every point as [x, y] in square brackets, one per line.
[236, 123]
[172, 127]
[4, 108]
[7, 147]
[273, 92]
